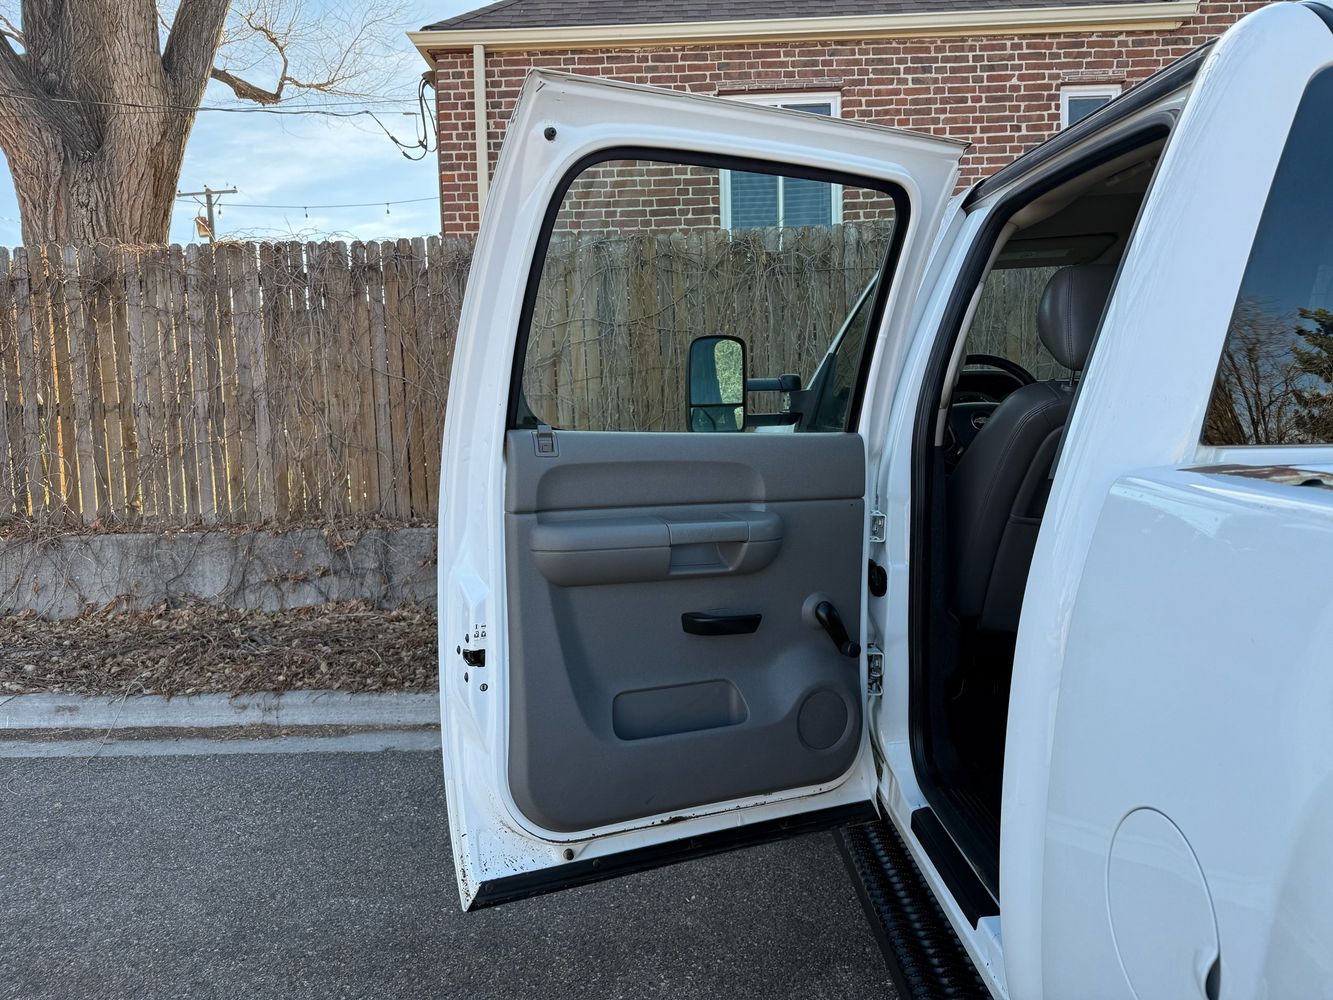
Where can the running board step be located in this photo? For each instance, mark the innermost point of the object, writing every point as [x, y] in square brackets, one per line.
[925, 957]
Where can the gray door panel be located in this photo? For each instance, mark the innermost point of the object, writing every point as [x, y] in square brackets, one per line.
[600, 470]
[588, 547]
[616, 711]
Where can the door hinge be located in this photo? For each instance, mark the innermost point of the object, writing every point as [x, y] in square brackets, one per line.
[878, 526]
[543, 441]
[874, 670]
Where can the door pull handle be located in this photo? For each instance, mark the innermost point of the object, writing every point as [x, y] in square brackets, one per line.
[719, 623]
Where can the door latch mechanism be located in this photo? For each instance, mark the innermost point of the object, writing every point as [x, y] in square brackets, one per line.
[874, 670]
[878, 526]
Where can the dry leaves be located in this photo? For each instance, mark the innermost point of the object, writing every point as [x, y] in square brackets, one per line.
[205, 648]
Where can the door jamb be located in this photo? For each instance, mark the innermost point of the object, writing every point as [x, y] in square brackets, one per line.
[923, 741]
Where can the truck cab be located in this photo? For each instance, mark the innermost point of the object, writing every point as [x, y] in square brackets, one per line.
[983, 528]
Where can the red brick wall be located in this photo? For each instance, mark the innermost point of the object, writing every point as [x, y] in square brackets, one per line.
[1001, 93]
[635, 194]
[621, 195]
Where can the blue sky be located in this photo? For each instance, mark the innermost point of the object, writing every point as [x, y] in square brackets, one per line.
[307, 160]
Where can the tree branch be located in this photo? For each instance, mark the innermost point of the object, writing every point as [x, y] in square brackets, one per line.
[191, 46]
[29, 118]
[8, 29]
[246, 90]
[14, 75]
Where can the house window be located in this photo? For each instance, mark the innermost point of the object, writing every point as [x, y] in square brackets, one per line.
[1078, 102]
[759, 201]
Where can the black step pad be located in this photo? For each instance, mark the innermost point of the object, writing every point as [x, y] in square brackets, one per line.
[925, 957]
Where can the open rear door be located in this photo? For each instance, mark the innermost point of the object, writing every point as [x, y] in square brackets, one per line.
[653, 521]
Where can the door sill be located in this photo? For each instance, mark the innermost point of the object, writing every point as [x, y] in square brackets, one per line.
[575, 873]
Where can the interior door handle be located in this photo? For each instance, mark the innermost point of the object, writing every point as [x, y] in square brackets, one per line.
[827, 616]
[719, 623]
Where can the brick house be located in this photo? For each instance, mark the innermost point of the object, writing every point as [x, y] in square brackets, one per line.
[1004, 74]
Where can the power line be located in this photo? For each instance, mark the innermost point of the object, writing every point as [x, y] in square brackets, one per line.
[424, 119]
[289, 109]
[363, 204]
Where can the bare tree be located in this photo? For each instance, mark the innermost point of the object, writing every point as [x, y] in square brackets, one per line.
[98, 97]
[1257, 396]
[1315, 394]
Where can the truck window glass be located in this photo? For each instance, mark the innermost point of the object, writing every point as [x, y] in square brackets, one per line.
[1005, 323]
[639, 264]
[837, 377]
[1274, 384]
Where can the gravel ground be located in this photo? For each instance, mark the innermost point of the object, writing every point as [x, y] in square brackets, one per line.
[209, 649]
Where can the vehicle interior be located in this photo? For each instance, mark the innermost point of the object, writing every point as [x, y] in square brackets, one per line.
[988, 453]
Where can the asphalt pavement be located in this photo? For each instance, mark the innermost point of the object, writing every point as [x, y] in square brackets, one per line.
[329, 875]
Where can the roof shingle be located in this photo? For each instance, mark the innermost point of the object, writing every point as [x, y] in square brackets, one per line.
[571, 13]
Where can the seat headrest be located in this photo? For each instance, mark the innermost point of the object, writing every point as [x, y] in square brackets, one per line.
[1070, 309]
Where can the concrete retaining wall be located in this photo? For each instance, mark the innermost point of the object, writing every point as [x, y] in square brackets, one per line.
[61, 575]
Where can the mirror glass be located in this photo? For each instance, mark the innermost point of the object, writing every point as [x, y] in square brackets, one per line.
[717, 384]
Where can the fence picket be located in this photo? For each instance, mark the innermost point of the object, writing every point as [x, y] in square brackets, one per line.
[157, 336]
[56, 397]
[367, 439]
[10, 460]
[379, 378]
[198, 455]
[270, 362]
[176, 387]
[29, 378]
[54, 371]
[436, 337]
[267, 474]
[405, 394]
[397, 299]
[294, 326]
[111, 268]
[92, 460]
[139, 362]
[340, 374]
[155, 325]
[240, 410]
[220, 367]
[415, 333]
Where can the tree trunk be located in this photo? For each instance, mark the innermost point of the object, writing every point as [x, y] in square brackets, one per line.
[96, 118]
[123, 190]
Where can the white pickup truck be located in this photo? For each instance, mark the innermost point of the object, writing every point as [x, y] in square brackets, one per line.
[1018, 586]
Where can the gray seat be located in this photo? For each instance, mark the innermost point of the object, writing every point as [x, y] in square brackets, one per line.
[997, 494]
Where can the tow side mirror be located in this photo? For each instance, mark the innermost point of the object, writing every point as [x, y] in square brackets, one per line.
[716, 381]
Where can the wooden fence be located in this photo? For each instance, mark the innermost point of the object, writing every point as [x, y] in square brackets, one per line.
[616, 314]
[240, 383]
[286, 383]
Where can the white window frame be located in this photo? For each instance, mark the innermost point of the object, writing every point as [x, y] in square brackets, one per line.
[1108, 90]
[776, 99]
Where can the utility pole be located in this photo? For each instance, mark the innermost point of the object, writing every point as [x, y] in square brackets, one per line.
[210, 197]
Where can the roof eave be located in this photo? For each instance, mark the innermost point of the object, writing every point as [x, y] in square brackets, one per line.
[1162, 15]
